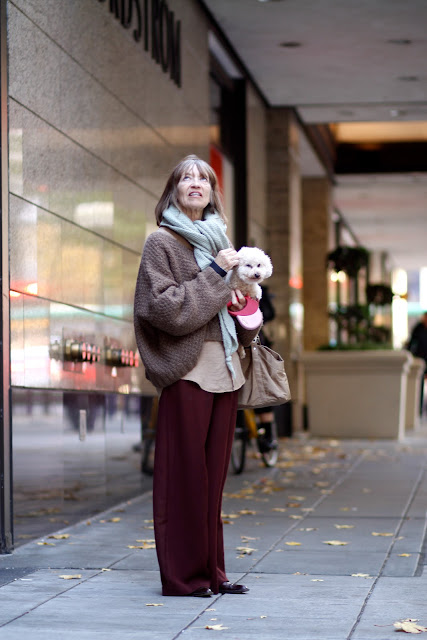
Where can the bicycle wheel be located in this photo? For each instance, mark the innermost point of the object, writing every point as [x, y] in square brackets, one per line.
[238, 449]
[270, 457]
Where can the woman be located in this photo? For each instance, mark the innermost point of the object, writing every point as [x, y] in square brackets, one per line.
[188, 343]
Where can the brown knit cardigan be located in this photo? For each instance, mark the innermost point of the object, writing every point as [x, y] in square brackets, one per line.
[176, 307]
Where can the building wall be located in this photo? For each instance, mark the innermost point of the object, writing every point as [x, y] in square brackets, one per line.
[95, 126]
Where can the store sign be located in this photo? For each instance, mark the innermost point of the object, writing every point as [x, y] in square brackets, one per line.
[155, 25]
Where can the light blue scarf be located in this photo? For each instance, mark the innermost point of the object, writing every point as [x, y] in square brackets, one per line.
[207, 237]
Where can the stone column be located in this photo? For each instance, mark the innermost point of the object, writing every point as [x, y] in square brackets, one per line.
[284, 239]
[316, 210]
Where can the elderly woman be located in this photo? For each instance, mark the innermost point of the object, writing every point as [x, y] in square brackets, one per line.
[188, 343]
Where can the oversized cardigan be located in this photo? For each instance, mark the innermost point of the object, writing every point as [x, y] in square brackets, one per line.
[175, 310]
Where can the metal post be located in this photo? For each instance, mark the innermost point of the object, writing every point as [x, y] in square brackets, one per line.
[6, 511]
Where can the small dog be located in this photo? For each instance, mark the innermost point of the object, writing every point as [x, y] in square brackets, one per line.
[254, 267]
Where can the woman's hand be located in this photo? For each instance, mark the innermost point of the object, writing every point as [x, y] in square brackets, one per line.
[238, 300]
[227, 259]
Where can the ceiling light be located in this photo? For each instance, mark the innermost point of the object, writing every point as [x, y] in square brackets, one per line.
[408, 78]
[290, 44]
[401, 41]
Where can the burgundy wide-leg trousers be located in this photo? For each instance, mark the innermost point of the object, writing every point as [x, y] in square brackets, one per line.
[195, 431]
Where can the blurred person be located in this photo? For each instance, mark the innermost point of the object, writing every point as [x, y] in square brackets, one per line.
[417, 345]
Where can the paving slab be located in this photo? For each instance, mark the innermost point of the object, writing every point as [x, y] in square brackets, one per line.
[297, 592]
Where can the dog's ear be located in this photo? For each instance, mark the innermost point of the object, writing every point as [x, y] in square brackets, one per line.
[269, 266]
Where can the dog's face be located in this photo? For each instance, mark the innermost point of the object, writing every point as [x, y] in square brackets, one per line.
[254, 265]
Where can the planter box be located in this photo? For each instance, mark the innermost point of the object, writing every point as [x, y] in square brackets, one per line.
[356, 394]
[413, 393]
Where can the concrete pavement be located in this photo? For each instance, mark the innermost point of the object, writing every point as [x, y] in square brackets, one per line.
[330, 542]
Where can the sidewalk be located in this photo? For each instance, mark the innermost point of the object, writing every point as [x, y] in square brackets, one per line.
[285, 530]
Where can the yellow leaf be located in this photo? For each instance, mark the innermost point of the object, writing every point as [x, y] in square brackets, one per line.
[296, 517]
[404, 555]
[148, 540]
[141, 546]
[344, 508]
[77, 576]
[293, 505]
[293, 544]
[385, 535]
[106, 569]
[335, 543]
[46, 544]
[247, 512]
[60, 536]
[361, 575]
[153, 604]
[148, 521]
[409, 627]
[299, 498]
[216, 627]
[246, 550]
[114, 520]
[281, 509]
[344, 526]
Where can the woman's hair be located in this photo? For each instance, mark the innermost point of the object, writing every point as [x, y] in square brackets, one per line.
[170, 193]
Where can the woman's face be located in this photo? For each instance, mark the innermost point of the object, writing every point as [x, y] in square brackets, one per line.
[194, 192]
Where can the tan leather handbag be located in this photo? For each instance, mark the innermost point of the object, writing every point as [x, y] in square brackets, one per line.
[266, 380]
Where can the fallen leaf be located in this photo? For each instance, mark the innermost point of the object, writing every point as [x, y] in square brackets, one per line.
[60, 536]
[141, 546]
[344, 526]
[281, 509]
[308, 529]
[293, 544]
[296, 517]
[322, 484]
[367, 490]
[385, 535]
[216, 627]
[106, 569]
[247, 551]
[153, 604]
[46, 544]
[317, 580]
[293, 505]
[149, 521]
[147, 540]
[247, 512]
[404, 555]
[361, 575]
[114, 520]
[77, 576]
[247, 538]
[335, 543]
[344, 508]
[299, 498]
[409, 626]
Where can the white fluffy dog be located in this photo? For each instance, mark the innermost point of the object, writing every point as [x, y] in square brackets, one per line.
[254, 267]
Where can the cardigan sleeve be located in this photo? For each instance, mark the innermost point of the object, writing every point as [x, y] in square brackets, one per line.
[172, 294]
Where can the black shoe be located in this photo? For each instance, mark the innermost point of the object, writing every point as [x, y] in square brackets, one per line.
[265, 445]
[202, 592]
[229, 587]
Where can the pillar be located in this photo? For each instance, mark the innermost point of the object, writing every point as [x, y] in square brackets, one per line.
[284, 238]
[315, 232]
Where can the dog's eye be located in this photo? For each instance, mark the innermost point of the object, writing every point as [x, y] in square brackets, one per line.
[249, 266]
[259, 266]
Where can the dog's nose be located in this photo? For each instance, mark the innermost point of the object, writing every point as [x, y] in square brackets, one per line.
[257, 275]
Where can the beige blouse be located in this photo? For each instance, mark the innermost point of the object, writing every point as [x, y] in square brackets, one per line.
[211, 372]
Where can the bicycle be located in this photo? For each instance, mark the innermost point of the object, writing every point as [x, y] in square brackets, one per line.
[246, 430]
